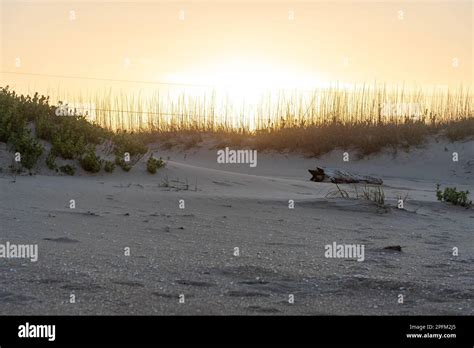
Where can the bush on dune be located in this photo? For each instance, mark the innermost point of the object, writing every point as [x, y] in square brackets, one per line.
[71, 137]
[122, 164]
[452, 195]
[109, 166]
[129, 143]
[91, 162]
[67, 169]
[154, 164]
[51, 160]
[28, 148]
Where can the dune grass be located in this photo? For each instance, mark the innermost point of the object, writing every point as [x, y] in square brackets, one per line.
[365, 119]
[211, 110]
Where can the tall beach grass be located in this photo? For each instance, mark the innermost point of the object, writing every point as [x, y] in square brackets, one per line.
[217, 110]
[362, 118]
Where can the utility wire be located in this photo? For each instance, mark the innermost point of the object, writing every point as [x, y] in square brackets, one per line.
[106, 79]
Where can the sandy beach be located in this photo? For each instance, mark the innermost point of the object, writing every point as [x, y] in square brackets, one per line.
[192, 251]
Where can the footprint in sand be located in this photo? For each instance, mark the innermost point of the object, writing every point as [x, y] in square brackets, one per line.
[62, 240]
[222, 183]
[239, 293]
[82, 287]
[194, 283]
[164, 295]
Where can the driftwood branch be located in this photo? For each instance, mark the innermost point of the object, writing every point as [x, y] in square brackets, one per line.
[338, 176]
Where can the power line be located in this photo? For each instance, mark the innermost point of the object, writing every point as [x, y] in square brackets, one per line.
[194, 85]
[139, 112]
[107, 79]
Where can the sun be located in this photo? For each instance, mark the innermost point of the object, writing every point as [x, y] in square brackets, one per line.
[244, 80]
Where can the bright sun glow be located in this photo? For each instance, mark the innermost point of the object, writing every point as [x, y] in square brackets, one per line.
[244, 80]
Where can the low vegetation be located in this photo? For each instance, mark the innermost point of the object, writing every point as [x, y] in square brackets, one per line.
[120, 161]
[91, 162]
[154, 164]
[452, 195]
[109, 166]
[26, 121]
[51, 161]
[366, 118]
[313, 141]
[370, 193]
[27, 146]
[67, 169]
[328, 120]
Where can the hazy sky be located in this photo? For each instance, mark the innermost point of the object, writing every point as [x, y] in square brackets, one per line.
[267, 43]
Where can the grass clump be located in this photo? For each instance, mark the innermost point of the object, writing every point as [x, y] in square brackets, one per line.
[28, 147]
[374, 194]
[450, 194]
[109, 166]
[51, 161]
[68, 169]
[154, 164]
[130, 143]
[91, 162]
[120, 161]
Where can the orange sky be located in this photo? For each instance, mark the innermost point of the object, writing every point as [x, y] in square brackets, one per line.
[266, 44]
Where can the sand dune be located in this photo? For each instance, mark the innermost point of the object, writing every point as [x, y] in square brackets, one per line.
[190, 251]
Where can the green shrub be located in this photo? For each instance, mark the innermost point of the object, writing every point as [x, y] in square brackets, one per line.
[17, 111]
[70, 136]
[67, 169]
[153, 164]
[439, 193]
[51, 160]
[453, 196]
[45, 127]
[109, 166]
[122, 164]
[91, 162]
[129, 142]
[68, 145]
[28, 147]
